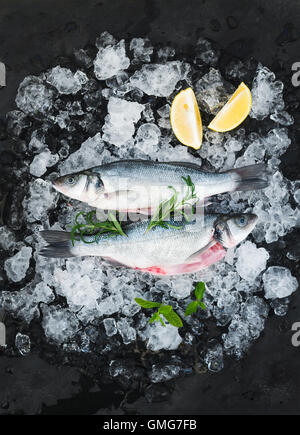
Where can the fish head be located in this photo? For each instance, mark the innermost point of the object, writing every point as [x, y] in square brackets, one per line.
[83, 186]
[233, 229]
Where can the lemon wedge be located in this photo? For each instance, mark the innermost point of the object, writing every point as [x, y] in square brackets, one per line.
[186, 120]
[234, 112]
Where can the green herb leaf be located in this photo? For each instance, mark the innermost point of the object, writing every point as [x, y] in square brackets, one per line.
[147, 304]
[173, 319]
[199, 293]
[161, 321]
[116, 224]
[154, 318]
[202, 305]
[165, 309]
[199, 290]
[191, 308]
[80, 231]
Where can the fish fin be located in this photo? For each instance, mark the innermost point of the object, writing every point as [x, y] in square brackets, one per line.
[252, 177]
[188, 165]
[53, 236]
[197, 254]
[59, 244]
[145, 162]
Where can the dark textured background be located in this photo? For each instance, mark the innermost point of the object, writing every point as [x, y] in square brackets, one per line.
[33, 33]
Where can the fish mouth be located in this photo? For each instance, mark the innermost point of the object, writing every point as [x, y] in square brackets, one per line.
[57, 185]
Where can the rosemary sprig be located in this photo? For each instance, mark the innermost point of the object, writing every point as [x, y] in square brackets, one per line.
[90, 226]
[172, 205]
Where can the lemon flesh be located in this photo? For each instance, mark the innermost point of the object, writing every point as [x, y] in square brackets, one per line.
[186, 119]
[234, 112]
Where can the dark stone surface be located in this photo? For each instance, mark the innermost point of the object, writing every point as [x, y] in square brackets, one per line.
[33, 34]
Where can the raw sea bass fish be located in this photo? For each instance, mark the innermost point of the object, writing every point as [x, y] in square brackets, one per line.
[188, 248]
[141, 185]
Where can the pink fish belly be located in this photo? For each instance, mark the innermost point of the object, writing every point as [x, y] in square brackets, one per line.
[205, 259]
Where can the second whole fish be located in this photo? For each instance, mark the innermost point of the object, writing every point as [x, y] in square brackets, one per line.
[190, 247]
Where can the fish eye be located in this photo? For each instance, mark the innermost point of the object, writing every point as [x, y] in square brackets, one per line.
[241, 221]
[71, 180]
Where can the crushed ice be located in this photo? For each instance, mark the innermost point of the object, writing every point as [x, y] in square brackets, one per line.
[135, 124]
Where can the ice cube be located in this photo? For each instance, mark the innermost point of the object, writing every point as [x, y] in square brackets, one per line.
[245, 327]
[212, 92]
[105, 39]
[7, 239]
[297, 196]
[279, 282]
[26, 301]
[37, 143]
[164, 111]
[280, 306]
[164, 373]
[282, 118]
[181, 288]
[214, 357]
[110, 60]
[276, 142]
[165, 53]
[147, 137]
[126, 331]
[34, 97]
[41, 162]
[159, 79]
[17, 122]
[142, 49]
[64, 80]
[266, 93]
[60, 325]
[206, 53]
[251, 261]
[77, 289]
[119, 123]
[90, 153]
[227, 305]
[110, 327]
[17, 266]
[23, 344]
[42, 197]
[160, 337]
[110, 305]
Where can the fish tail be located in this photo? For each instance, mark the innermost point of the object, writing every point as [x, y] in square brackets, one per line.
[59, 244]
[251, 177]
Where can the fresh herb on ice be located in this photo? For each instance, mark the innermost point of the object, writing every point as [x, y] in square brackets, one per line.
[172, 205]
[193, 306]
[111, 226]
[165, 310]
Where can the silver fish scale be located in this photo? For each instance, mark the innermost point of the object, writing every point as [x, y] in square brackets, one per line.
[159, 246]
[160, 173]
[144, 184]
